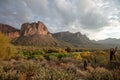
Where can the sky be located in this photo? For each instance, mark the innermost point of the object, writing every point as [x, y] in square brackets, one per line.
[98, 19]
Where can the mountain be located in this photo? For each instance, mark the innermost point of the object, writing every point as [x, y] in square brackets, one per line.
[9, 31]
[37, 34]
[110, 41]
[77, 39]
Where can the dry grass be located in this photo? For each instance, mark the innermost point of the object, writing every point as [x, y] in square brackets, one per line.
[38, 65]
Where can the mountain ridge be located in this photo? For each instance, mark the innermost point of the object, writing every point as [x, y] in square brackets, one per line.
[37, 34]
[77, 39]
[9, 31]
[113, 42]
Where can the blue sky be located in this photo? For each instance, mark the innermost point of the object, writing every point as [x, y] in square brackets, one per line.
[98, 19]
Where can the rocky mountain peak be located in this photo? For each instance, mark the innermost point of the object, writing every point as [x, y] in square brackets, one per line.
[28, 29]
[78, 34]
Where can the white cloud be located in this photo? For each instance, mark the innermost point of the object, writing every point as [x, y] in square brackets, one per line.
[92, 17]
[106, 32]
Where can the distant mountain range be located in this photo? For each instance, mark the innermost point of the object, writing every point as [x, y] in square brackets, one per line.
[76, 39]
[110, 41]
[37, 34]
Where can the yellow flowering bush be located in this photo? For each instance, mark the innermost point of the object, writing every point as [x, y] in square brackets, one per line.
[77, 56]
[6, 49]
[85, 54]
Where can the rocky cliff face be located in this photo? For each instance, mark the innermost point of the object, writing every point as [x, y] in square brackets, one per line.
[9, 31]
[37, 34]
[29, 29]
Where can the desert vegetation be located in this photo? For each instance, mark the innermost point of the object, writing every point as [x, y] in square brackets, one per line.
[43, 63]
[6, 48]
[30, 63]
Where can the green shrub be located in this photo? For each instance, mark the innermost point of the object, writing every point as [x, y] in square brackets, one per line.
[32, 54]
[55, 55]
[56, 50]
[38, 52]
[68, 49]
[26, 54]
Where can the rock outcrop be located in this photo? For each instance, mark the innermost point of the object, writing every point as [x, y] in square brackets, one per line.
[37, 34]
[9, 31]
[29, 29]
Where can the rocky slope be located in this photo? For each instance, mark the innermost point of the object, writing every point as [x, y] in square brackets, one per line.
[37, 34]
[77, 39]
[9, 31]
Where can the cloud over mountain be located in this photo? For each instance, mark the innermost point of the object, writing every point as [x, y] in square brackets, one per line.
[87, 16]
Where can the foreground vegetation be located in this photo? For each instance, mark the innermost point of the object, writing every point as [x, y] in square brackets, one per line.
[30, 63]
[58, 64]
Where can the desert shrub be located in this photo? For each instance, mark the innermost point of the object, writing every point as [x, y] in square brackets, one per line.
[38, 57]
[7, 50]
[68, 60]
[55, 74]
[49, 56]
[32, 70]
[77, 56]
[38, 54]
[6, 72]
[68, 49]
[99, 74]
[72, 68]
[63, 65]
[85, 54]
[101, 52]
[56, 50]
[101, 60]
[26, 54]
[92, 58]
[32, 54]
[116, 74]
[118, 56]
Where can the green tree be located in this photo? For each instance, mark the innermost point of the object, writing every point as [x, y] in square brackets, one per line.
[7, 50]
[68, 49]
